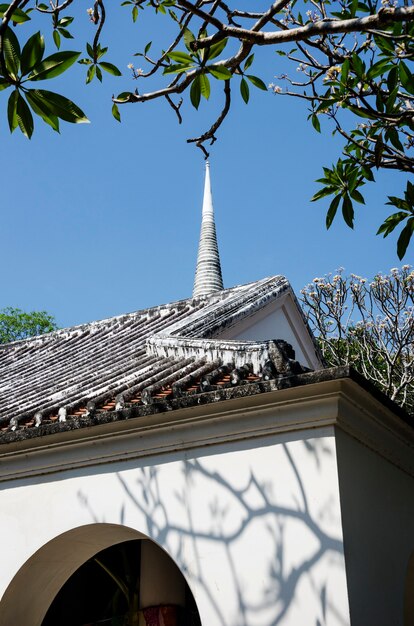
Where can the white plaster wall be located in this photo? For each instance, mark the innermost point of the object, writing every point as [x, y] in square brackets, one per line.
[255, 527]
[377, 501]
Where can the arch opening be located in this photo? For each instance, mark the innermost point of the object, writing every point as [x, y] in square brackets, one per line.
[100, 574]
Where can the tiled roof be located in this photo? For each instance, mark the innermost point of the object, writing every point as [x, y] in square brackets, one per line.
[139, 359]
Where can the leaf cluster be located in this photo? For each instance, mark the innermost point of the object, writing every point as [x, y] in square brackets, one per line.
[16, 324]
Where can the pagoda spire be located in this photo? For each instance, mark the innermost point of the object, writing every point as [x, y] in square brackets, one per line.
[208, 276]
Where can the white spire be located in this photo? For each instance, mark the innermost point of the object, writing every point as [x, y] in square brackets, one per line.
[208, 273]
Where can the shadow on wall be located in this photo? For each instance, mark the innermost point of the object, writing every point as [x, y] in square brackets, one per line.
[258, 511]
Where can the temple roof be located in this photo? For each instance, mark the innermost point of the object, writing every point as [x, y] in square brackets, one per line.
[140, 359]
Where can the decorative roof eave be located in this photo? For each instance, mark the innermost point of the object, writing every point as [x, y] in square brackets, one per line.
[256, 355]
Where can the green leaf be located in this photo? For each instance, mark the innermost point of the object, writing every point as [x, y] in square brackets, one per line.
[60, 106]
[357, 196]
[333, 207]
[220, 72]
[65, 21]
[204, 86]
[404, 238]
[360, 112]
[367, 173]
[389, 108]
[115, 112]
[392, 134]
[65, 33]
[12, 110]
[406, 79]
[24, 116]
[358, 65]
[135, 14]
[181, 57]
[188, 38]
[322, 193]
[392, 79]
[381, 67]
[248, 62]
[345, 71]
[257, 82]
[89, 50]
[56, 38]
[18, 16]
[90, 74]
[216, 49]
[54, 65]
[124, 96]
[316, 123]
[42, 109]
[11, 49]
[391, 222]
[195, 92]
[4, 84]
[177, 69]
[147, 47]
[244, 90]
[110, 68]
[348, 211]
[32, 52]
[98, 73]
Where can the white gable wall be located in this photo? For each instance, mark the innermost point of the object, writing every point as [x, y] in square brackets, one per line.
[280, 319]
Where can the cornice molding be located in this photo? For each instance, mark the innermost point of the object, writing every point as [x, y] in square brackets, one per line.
[339, 403]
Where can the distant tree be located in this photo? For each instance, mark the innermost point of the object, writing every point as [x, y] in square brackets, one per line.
[351, 63]
[369, 325]
[16, 324]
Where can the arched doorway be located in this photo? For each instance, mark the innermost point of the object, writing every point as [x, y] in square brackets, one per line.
[92, 575]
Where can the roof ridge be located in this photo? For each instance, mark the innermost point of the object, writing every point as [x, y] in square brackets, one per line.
[84, 326]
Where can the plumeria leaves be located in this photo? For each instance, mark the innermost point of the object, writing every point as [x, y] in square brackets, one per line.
[181, 57]
[110, 68]
[18, 16]
[115, 112]
[244, 90]
[220, 72]
[195, 92]
[215, 50]
[406, 206]
[342, 181]
[96, 65]
[26, 66]
[257, 82]
[11, 50]
[54, 65]
[19, 115]
[32, 53]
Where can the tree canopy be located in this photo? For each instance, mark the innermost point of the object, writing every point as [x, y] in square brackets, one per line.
[369, 325]
[349, 60]
[16, 324]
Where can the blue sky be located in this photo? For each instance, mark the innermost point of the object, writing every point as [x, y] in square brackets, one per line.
[104, 218]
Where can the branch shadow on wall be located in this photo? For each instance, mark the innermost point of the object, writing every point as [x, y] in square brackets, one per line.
[256, 502]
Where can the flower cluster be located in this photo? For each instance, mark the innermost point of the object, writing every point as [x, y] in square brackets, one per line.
[313, 16]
